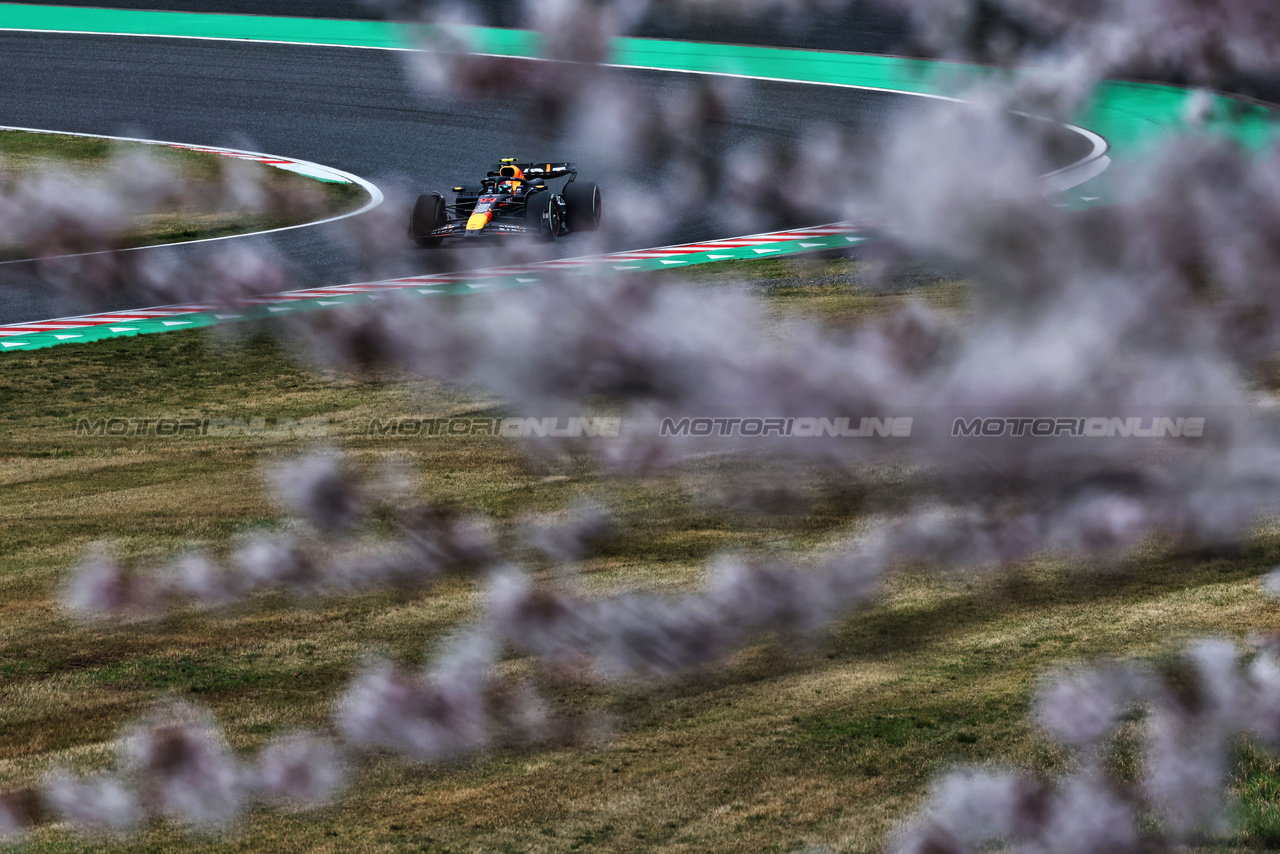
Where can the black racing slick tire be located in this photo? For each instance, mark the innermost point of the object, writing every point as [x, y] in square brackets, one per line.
[584, 204]
[428, 215]
[536, 205]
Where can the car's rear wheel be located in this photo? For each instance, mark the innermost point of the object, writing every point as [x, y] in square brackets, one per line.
[536, 205]
[585, 206]
[428, 215]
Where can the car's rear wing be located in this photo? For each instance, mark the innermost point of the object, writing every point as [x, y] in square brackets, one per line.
[540, 171]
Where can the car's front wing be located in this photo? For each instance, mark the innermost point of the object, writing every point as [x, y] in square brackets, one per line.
[458, 229]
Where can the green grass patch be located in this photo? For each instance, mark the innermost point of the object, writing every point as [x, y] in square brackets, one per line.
[1257, 793]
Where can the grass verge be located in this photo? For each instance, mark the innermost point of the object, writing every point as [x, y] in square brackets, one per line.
[196, 205]
[775, 750]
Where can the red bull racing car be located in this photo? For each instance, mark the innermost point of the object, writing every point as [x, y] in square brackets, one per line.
[513, 199]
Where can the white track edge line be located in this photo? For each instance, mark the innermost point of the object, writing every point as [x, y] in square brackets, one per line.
[376, 197]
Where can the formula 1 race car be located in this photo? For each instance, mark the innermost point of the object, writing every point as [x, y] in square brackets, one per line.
[513, 199]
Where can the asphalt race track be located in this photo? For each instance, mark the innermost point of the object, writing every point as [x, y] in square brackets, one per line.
[351, 109]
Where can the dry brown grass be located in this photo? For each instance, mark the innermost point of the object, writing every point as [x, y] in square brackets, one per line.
[772, 751]
[71, 159]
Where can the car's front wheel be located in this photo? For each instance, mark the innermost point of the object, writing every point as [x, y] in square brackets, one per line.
[428, 215]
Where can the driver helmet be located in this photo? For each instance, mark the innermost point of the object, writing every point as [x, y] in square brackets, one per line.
[512, 179]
